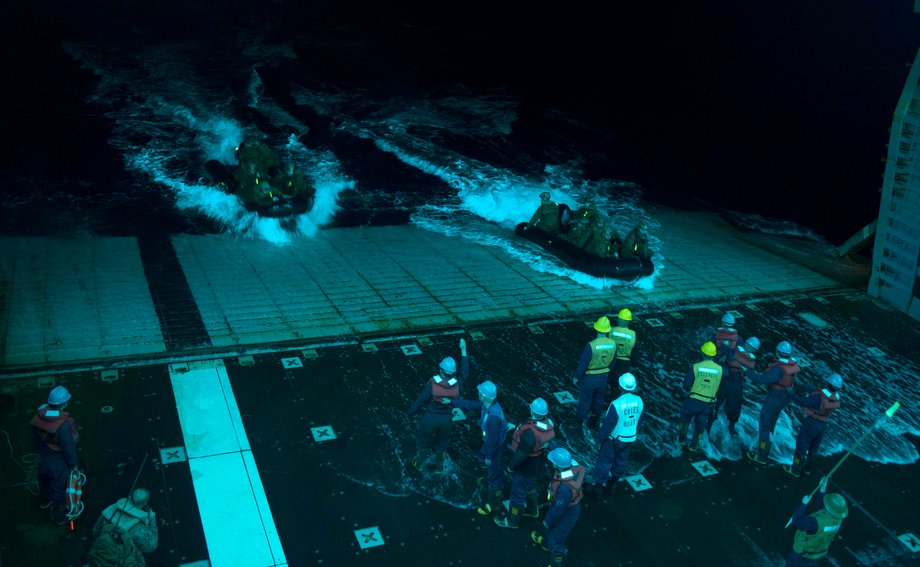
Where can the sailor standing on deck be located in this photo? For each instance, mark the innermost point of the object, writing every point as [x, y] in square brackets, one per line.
[564, 497]
[815, 532]
[55, 437]
[617, 434]
[625, 338]
[741, 359]
[435, 427]
[494, 428]
[817, 407]
[780, 377]
[703, 381]
[591, 375]
[529, 443]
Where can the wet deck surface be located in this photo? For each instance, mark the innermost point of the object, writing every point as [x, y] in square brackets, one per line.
[103, 300]
[322, 492]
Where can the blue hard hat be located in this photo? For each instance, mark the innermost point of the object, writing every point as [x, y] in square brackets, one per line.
[58, 396]
[752, 344]
[487, 390]
[448, 365]
[835, 380]
[728, 319]
[784, 348]
[561, 458]
[539, 407]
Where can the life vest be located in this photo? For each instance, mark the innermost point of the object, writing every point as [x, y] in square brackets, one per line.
[707, 375]
[829, 402]
[573, 477]
[47, 421]
[790, 368]
[603, 350]
[542, 431]
[625, 339]
[628, 407]
[815, 546]
[723, 335]
[441, 388]
[495, 410]
[742, 359]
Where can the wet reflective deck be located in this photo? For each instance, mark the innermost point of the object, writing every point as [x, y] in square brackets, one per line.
[273, 415]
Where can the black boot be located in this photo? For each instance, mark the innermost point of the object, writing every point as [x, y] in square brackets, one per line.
[760, 455]
[511, 520]
[491, 502]
[532, 509]
[682, 435]
[796, 468]
[695, 444]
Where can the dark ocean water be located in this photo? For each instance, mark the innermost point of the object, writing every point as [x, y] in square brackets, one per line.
[454, 117]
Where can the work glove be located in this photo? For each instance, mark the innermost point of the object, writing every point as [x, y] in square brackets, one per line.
[487, 463]
[806, 499]
[823, 484]
[151, 517]
[463, 347]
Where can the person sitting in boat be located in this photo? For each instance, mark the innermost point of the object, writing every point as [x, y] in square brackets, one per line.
[546, 217]
[265, 159]
[635, 245]
[291, 182]
[587, 230]
[253, 187]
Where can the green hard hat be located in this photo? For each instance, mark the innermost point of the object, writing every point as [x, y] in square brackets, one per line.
[836, 505]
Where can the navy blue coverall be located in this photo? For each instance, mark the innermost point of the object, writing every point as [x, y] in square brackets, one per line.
[812, 431]
[54, 466]
[591, 388]
[494, 426]
[560, 520]
[773, 404]
[437, 423]
[611, 461]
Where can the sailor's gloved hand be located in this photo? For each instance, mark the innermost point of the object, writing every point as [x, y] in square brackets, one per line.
[822, 486]
[463, 347]
[575, 382]
[151, 517]
[487, 462]
[446, 401]
[806, 499]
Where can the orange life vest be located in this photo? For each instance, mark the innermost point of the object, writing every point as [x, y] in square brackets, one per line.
[574, 477]
[441, 388]
[47, 426]
[829, 402]
[789, 368]
[542, 430]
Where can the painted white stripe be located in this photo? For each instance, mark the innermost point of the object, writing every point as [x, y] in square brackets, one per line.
[237, 522]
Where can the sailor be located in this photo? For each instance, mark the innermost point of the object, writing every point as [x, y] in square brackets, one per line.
[635, 244]
[587, 226]
[815, 531]
[817, 407]
[491, 455]
[564, 495]
[435, 426]
[55, 437]
[291, 182]
[129, 518]
[731, 393]
[591, 374]
[529, 443]
[725, 339]
[702, 381]
[780, 377]
[546, 217]
[617, 434]
[260, 155]
[625, 338]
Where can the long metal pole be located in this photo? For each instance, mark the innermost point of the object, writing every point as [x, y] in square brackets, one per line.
[888, 413]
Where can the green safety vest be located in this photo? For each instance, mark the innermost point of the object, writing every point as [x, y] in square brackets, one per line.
[815, 546]
[707, 375]
[625, 339]
[603, 350]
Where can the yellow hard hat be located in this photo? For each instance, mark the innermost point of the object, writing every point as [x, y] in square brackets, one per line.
[602, 325]
[625, 314]
[708, 349]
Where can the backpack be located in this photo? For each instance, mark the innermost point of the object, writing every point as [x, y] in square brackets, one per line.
[114, 549]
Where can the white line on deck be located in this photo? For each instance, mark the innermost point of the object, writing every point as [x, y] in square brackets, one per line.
[237, 522]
